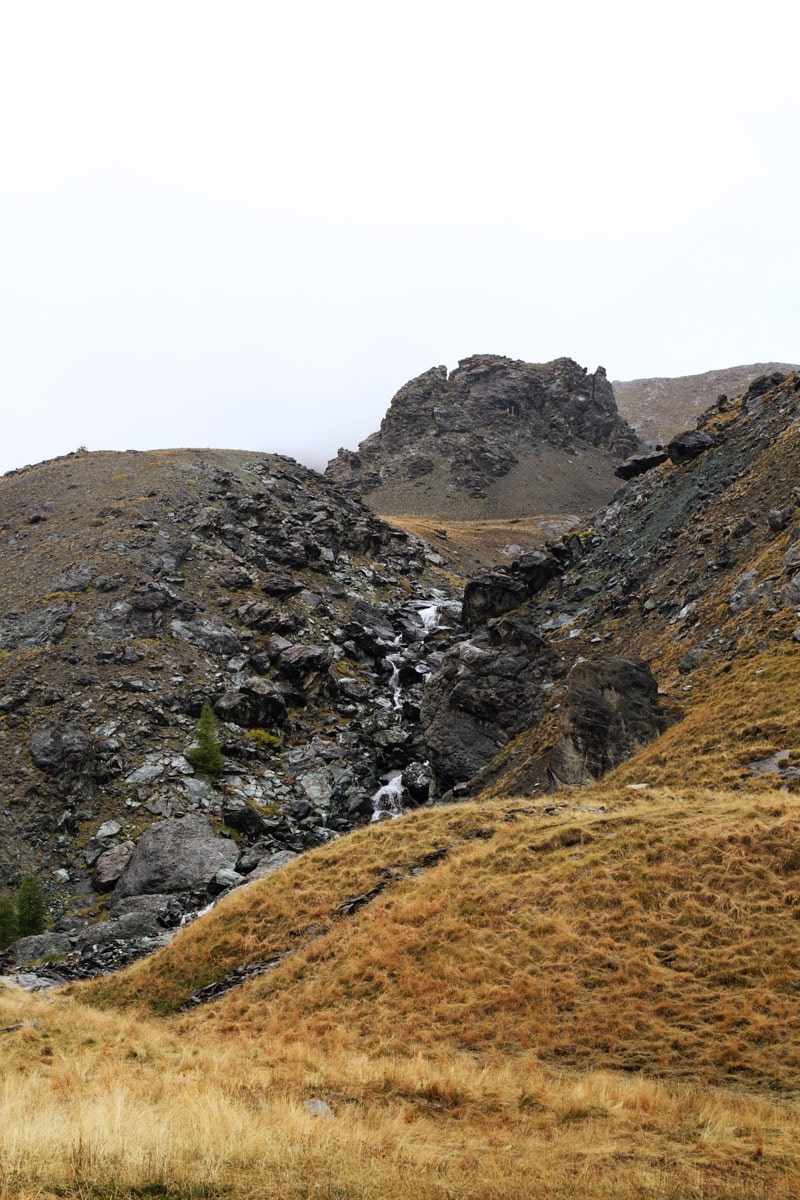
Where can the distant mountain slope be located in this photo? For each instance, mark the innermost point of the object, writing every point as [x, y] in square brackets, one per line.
[659, 408]
[494, 438]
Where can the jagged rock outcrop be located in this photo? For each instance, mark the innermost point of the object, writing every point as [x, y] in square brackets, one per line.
[494, 436]
[485, 691]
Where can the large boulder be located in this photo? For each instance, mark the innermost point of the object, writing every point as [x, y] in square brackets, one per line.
[482, 696]
[610, 712]
[639, 464]
[37, 948]
[689, 445]
[257, 703]
[61, 748]
[306, 668]
[110, 865]
[176, 855]
[492, 593]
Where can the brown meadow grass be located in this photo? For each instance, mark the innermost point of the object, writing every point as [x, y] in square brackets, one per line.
[113, 1105]
[592, 995]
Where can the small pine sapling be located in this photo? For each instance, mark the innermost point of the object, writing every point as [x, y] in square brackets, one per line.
[206, 754]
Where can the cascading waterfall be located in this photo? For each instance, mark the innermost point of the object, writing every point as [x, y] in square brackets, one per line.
[394, 679]
[388, 799]
[430, 618]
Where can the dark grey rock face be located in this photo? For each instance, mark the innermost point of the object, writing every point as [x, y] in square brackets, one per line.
[38, 628]
[610, 712]
[480, 697]
[492, 593]
[176, 856]
[465, 431]
[59, 748]
[639, 464]
[688, 446]
[258, 703]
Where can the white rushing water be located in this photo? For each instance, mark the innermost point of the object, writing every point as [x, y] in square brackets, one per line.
[187, 918]
[429, 617]
[387, 801]
[395, 690]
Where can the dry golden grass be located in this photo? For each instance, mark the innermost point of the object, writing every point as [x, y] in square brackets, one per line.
[467, 1025]
[105, 1105]
[471, 545]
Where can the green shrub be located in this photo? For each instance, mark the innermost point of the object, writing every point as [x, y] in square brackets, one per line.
[31, 907]
[206, 755]
[8, 922]
[262, 738]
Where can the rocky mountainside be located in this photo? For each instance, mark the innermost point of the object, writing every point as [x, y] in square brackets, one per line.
[138, 586]
[694, 566]
[660, 408]
[346, 679]
[495, 437]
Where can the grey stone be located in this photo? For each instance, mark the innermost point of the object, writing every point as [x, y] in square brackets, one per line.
[256, 704]
[110, 865]
[59, 747]
[227, 877]
[75, 578]
[38, 947]
[108, 829]
[211, 636]
[318, 1108]
[40, 628]
[176, 855]
[274, 862]
[688, 446]
[610, 712]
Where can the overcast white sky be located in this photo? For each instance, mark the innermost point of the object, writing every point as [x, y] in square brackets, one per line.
[247, 224]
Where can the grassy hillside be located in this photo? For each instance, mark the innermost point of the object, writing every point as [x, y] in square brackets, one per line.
[593, 996]
[105, 1106]
[653, 932]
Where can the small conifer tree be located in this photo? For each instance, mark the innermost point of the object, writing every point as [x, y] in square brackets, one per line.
[206, 756]
[8, 921]
[31, 907]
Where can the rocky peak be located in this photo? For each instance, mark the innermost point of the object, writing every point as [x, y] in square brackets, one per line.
[486, 436]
